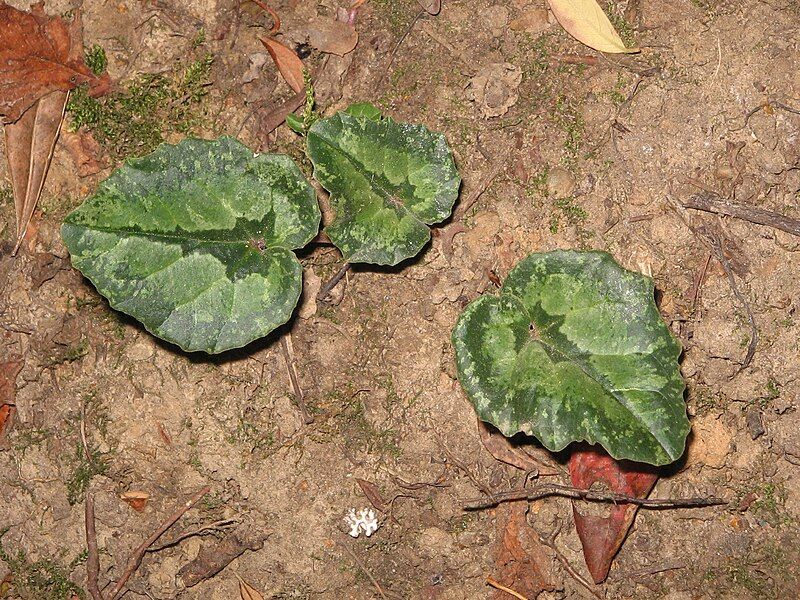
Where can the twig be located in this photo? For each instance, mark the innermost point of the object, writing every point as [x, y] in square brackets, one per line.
[331, 283]
[286, 347]
[364, 569]
[135, 559]
[84, 443]
[216, 526]
[716, 205]
[719, 251]
[555, 489]
[92, 559]
[491, 174]
[393, 53]
[650, 570]
[497, 585]
[550, 542]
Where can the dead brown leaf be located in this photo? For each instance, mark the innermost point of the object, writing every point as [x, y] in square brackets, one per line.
[332, 37]
[432, 7]
[30, 142]
[373, 495]
[136, 499]
[8, 376]
[289, 64]
[501, 449]
[248, 592]
[521, 562]
[39, 55]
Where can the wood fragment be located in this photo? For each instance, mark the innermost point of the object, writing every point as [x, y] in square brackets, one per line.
[554, 489]
[327, 288]
[495, 168]
[211, 560]
[714, 204]
[137, 555]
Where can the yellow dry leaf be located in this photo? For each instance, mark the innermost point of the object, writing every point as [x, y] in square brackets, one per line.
[586, 22]
[248, 592]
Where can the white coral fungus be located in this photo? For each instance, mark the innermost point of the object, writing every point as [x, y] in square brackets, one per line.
[365, 521]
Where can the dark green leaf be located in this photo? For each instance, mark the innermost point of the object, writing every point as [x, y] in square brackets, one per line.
[195, 241]
[388, 181]
[574, 349]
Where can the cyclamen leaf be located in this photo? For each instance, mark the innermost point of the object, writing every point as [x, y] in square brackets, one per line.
[585, 21]
[195, 241]
[574, 349]
[388, 181]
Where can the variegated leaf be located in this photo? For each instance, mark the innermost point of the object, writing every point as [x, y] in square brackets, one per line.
[388, 181]
[195, 241]
[574, 349]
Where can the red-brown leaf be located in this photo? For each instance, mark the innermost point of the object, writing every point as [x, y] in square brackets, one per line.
[602, 536]
[373, 495]
[288, 63]
[8, 376]
[521, 562]
[39, 55]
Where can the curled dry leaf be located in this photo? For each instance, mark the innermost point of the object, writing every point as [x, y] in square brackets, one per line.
[289, 64]
[332, 37]
[39, 55]
[136, 499]
[372, 493]
[586, 22]
[503, 450]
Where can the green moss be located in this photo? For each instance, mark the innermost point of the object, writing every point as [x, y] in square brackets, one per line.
[568, 210]
[96, 59]
[566, 115]
[44, 579]
[133, 120]
[620, 23]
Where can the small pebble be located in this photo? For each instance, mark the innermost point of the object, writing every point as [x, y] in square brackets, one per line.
[560, 183]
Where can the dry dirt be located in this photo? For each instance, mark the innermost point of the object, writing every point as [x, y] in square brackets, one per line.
[626, 139]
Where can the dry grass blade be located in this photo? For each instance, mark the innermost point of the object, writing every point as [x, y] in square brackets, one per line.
[586, 22]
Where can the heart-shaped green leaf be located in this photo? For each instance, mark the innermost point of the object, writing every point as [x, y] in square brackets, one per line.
[388, 181]
[574, 349]
[195, 241]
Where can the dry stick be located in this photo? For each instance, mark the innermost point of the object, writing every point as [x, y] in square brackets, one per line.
[135, 559]
[714, 204]
[650, 570]
[550, 542]
[497, 585]
[555, 489]
[719, 251]
[298, 392]
[491, 174]
[93, 559]
[331, 283]
[364, 569]
[393, 53]
[215, 526]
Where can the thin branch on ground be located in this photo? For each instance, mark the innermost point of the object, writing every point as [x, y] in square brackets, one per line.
[499, 586]
[393, 53]
[555, 489]
[495, 168]
[135, 559]
[364, 569]
[93, 558]
[326, 289]
[716, 205]
[210, 528]
[550, 542]
[671, 566]
[288, 356]
[719, 250]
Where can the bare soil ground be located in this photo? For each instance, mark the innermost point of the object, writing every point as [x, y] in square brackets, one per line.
[590, 152]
